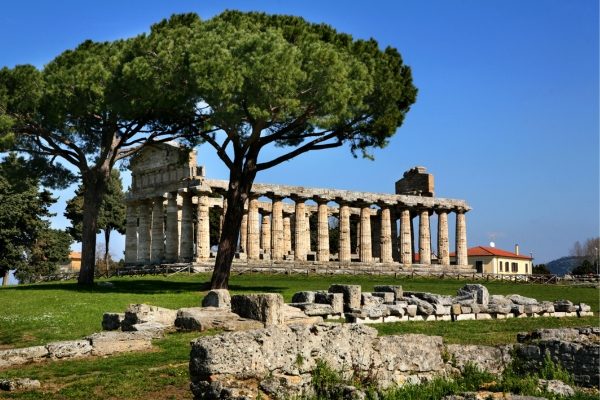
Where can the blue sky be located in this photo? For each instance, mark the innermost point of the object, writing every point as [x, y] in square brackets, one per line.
[507, 115]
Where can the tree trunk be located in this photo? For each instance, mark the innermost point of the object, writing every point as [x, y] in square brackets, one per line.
[106, 247]
[94, 183]
[5, 277]
[237, 193]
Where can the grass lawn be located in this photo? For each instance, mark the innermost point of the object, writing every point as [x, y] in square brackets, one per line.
[37, 314]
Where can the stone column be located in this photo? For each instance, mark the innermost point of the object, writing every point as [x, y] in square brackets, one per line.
[172, 235]
[395, 241]
[323, 232]
[277, 236]
[244, 233]
[265, 235]
[424, 238]
[365, 235]
[300, 230]
[186, 239]
[253, 245]
[386, 235]
[443, 248]
[158, 231]
[461, 238]
[344, 227]
[203, 227]
[405, 237]
[287, 235]
[144, 238]
[131, 228]
[307, 241]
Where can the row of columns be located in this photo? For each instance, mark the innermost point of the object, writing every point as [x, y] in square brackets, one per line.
[153, 236]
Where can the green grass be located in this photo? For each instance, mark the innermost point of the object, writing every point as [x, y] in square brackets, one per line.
[37, 314]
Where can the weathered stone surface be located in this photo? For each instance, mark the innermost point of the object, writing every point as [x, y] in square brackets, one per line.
[107, 343]
[521, 300]
[154, 329]
[556, 387]
[20, 384]
[396, 310]
[217, 298]
[374, 311]
[480, 293]
[112, 321]
[488, 358]
[498, 308]
[517, 309]
[69, 349]
[396, 289]
[367, 300]
[423, 307]
[141, 313]
[314, 309]
[456, 309]
[293, 315]
[500, 300]
[547, 307]
[335, 300]
[266, 307]
[203, 318]
[564, 306]
[352, 295]
[431, 298]
[584, 307]
[387, 297]
[465, 300]
[20, 356]
[531, 308]
[411, 310]
[440, 309]
[303, 297]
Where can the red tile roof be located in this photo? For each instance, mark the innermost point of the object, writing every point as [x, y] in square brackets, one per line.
[491, 252]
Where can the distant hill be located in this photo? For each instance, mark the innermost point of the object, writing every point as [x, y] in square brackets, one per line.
[564, 265]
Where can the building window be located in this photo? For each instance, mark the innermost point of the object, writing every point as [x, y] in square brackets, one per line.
[506, 266]
[515, 267]
[479, 266]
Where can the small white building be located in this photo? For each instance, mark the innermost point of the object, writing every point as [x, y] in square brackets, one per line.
[491, 260]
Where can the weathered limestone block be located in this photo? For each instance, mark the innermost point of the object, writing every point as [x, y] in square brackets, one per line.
[411, 310]
[521, 300]
[374, 311]
[303, 297]
[112, 321]
[314, 309]
[69, 349]
[395, 310]
[482, 316]
[531, 308]
[564, 306]
[293, 315]
[487, 358]
[352, 295]
[500, 300]
[204, 318]
[456, 309]
[480, 292]
[547, 307]
[107, 343]
[465, 317]
[517, 309]
[466, 309]
[465, 300]
[141, 313]
[423, 307]
[266, 307]
[431, 297]
[584, 307]
[497, 308]
[217, 298]
[396, 289]
[368, 299]
[20, 384]
[440, 309]
[556, 387]
[154, 329]
[388, 297]
[21, 356]
[335, 300]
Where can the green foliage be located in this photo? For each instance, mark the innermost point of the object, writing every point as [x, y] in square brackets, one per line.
[585, 268]
[540, 269]
[51, 248]
[112, 209]
[552, 370]
[326, 382]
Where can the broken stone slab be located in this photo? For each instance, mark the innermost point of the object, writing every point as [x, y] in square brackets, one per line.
[466, 309]
[314, 309]
[517, 309]
[304, 297]
[21, 356]
[497, 308]
[411, 310]
[431, 298]
[423, 307]
[266, 307]
[154, 329]
[521, 300]
[396, 289]
[295, 316]
[112, 321]
[69, 349]
[500, 300]
[487, 358]
[107, 343]
[584, 307]
[367, 300]
[352, 295]
[219, 298]
[396, 310]
[531, 308]
[547, 307]
[465, 317]
[375, 311]
[204, 318]
[388, 297]
[335, 300]
[465, 300]
[142, 313]
[556, 387]
[564, 306]
[440, 309]
[481, 294]
[21, 384]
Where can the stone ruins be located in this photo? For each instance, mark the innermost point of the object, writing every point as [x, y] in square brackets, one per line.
[170, 201]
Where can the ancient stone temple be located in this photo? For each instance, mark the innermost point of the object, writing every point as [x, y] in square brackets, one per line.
[171, 200]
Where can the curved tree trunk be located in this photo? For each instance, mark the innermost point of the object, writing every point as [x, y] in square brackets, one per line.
[237, 193]
[94, 182]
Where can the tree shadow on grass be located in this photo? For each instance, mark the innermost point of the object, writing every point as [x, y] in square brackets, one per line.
[144, 286]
